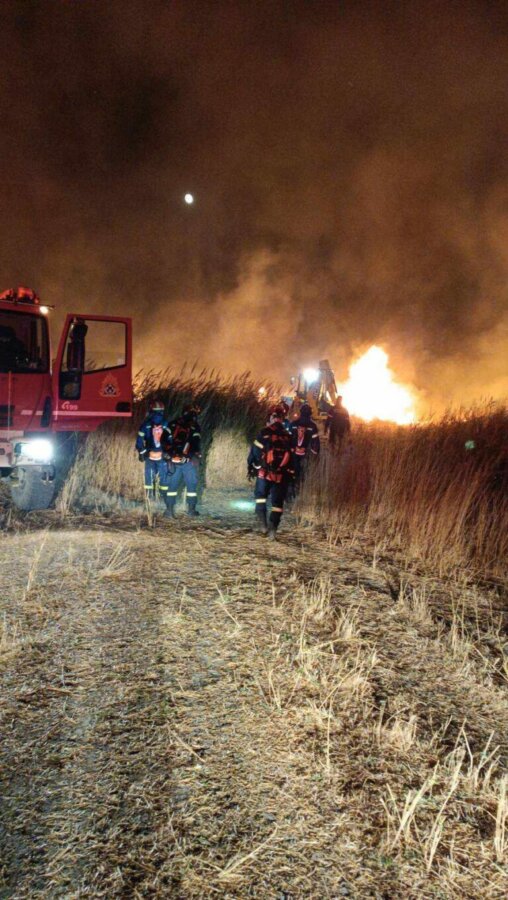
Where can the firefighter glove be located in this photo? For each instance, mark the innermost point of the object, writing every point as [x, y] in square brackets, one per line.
[251, 473]
[141, 455]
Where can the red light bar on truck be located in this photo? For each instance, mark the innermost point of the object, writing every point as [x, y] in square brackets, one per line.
[23, 296]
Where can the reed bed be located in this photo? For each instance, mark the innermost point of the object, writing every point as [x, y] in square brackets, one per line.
[438, 490]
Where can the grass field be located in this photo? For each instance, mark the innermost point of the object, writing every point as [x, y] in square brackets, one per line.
[189, 711]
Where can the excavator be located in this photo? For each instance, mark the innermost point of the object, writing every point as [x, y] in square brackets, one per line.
[43, 404]
[318, 388]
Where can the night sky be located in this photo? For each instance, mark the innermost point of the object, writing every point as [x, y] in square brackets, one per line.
[349, 162]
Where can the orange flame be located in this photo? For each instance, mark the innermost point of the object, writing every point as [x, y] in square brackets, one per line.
[371, 392]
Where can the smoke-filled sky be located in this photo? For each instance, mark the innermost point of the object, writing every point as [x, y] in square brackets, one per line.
[349, 162]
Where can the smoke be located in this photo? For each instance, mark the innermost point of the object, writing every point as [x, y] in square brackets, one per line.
[348, 162]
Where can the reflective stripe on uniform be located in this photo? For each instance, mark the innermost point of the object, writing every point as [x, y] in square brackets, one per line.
[172, 493]
[276, 508]
[162, 488]
[260, 499]
[141, 433]
[257, 444]
[148, 487]
[191, 494]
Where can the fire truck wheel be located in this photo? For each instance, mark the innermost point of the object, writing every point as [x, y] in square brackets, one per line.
[31, 491]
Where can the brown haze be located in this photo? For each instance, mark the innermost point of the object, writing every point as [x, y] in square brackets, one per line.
[349, 162]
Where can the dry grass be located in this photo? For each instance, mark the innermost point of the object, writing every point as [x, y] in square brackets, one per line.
[193, 713]
[227, 460]
[417, 491]
[421, 490]
[189, 712]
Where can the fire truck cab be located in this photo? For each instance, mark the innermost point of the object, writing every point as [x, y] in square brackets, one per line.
[89, 382]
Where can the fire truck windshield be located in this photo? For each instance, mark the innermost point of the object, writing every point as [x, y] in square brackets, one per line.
[24, 345]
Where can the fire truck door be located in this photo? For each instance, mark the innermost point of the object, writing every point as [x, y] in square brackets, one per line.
[92, 375]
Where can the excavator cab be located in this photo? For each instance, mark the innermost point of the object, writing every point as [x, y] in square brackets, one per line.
[318, 388]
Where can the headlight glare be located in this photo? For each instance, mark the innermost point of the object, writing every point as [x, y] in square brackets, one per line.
[38, 449]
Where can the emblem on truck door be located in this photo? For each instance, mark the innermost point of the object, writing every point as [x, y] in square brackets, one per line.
[109, 387]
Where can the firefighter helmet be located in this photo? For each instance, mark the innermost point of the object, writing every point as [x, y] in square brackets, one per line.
[277, 413]
[191, 409]
[156, 406]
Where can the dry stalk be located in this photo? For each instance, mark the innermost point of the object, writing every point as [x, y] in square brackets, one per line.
[433, 841]
[406, 817]
[150, 515]
[223, 606]
[118, 563]
[11, 635]
[32, 573]
[236, 864]
[478, 774]
[397, 732]
[500, 837]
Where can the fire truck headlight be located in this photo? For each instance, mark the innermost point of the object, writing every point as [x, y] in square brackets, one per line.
[38, 450]
[310, 375]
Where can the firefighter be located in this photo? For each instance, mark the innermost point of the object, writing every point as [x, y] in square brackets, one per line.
[338, 424]
[305, 442]
[286, 420]
[271, 463]
[183, 458]
[154, 436]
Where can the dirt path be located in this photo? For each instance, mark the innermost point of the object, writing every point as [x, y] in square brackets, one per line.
[190, 711]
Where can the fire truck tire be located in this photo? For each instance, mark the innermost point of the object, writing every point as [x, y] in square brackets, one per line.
[31, 491]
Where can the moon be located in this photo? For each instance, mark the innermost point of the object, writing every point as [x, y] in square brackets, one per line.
[189, 199]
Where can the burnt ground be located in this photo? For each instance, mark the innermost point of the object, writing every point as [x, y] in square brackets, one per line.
[190, 711]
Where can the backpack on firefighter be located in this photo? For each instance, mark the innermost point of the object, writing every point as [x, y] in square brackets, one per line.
[271, 455]
[305, 434]
[183, 459]
[271, 461]
[276, 457]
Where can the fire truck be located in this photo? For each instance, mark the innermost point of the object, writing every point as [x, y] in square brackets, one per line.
[44, 404]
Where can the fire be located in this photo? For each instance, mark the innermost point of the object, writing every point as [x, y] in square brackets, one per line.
[371, 392]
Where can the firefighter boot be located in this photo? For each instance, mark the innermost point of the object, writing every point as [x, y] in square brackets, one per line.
[272, 531]
[273, 524]
[170, 507]
[261, 518]
[191, 506]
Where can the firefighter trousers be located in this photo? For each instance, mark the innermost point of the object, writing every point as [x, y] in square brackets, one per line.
[301, 464]
[156, 468]
[276, 491]
[184, 473]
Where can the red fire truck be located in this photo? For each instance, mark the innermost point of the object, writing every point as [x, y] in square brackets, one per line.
[43, 404]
